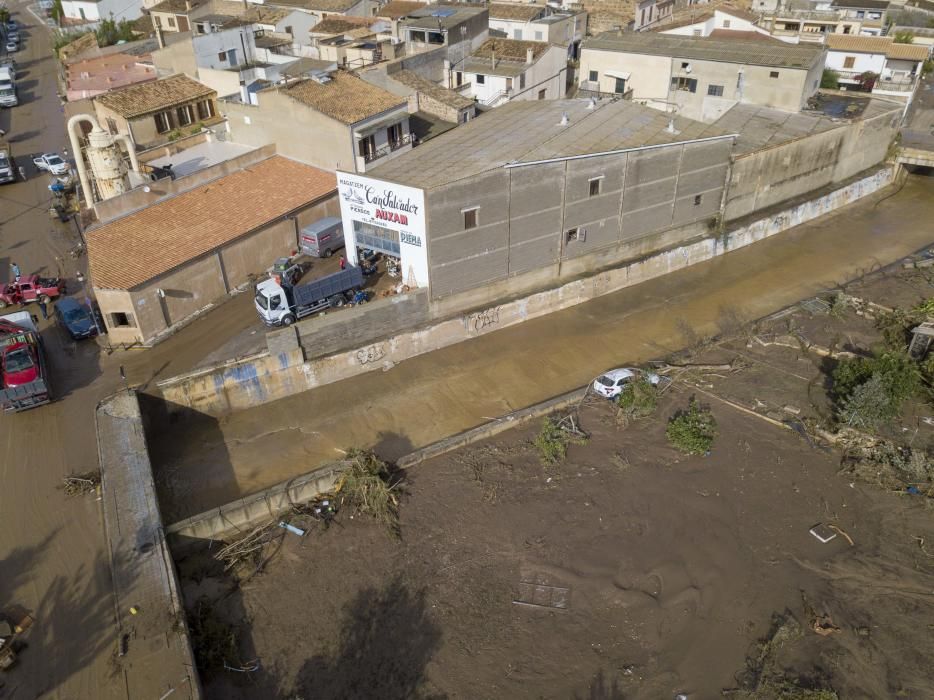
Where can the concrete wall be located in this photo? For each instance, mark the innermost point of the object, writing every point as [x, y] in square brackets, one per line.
[177, 57]
[119, 301]
[525, 215]
[650, 76]
[225, 82]
[772, 175]
[298, 131]
[273, 375]
[143, 129]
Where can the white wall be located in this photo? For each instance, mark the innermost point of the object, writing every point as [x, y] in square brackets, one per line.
[863, 62]
[547, 73]
[207, 47]
[73, 10]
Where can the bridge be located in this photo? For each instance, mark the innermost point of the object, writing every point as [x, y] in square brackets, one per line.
[917, 147]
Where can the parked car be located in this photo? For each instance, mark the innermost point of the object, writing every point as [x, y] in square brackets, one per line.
[52, 162]
[11, 25]
[76, 318]
[12, 46]
[323, 237]
[610, 384]
[29, 289]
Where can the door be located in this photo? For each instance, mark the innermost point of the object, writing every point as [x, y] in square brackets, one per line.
[620, 86]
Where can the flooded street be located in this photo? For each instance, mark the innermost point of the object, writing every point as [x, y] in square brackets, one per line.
[209, 462]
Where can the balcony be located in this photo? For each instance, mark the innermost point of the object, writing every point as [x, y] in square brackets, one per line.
[406, 140]
[588, 88]
[882, 84]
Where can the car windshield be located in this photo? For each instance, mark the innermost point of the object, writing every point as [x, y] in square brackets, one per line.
[53, 160]
[18, 361]
[262, 300]
[75, 315]
[605, 380]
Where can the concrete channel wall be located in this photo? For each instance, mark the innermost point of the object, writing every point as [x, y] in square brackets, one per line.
[238, 516]
[158, 661]
[286, 369]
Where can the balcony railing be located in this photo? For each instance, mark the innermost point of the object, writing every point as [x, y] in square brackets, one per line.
[405, 140]
[881, 83]
[588, 88]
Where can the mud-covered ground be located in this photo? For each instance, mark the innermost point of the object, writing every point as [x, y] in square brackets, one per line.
[682, 574]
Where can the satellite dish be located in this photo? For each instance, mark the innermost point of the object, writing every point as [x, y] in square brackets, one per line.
[687, 69]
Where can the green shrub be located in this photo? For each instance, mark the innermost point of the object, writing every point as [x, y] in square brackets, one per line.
[692, 431]
[903, 37]
[830, 79]
[638, 399]
[869, 391]
[553, 440]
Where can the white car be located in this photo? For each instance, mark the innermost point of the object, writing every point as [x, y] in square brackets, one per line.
[12, 46]
[53, 163]
[610, 384]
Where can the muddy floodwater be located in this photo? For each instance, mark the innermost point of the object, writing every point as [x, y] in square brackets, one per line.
[202, 463]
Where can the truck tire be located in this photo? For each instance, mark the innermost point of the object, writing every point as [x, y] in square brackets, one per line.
[328, 253]
[2, 304]
[287, 320]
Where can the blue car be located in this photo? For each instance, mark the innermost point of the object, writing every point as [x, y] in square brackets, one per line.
[76, 318]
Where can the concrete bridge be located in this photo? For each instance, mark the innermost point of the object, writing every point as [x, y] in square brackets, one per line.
[918, 132]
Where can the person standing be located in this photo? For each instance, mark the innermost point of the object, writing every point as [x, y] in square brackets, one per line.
[44, 310]
[15, 271]
[343, 263]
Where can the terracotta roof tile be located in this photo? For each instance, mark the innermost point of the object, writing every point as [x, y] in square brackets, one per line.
[338, 24]
[136, 100]
[432, 90]
[512, 11]
[907, 52]
[509, 49]
[860, 44]
[399, 8]
[344, 97]
[136, 248]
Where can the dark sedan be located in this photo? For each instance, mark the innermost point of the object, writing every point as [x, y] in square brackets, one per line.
[76, 318]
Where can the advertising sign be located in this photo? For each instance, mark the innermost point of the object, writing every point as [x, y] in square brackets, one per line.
[386, 205]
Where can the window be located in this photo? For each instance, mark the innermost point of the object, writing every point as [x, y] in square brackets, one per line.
[715, 90]
[726, 24]
[288, 30]
[595, 185]
[394, 135]
[470, 218]
[593, 76]
[538, 36]
[171, 21]
[201, 28]
[508, 84]
[522, 81]
[849, 61]
[222, 56]
[517, 34]
[111, 125]
[366, 146]
[186, 115]
[619, 87]
[739, 81]
[685, 65]
[81, 12]
[684, 84]
[541, 94]
[773, 74]
[697, 199]
[481, 79]
[163, 122]
[205, 109]
[460, 78]
[119, 319]
[575, 234]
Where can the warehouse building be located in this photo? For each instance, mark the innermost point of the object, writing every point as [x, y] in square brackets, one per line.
[537, 192]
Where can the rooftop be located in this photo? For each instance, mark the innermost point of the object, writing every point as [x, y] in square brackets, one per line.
[137, 100]
[515, 12]
[527, 131]
[762, 127]
[339, 24]
[146, 244]
[320, 5]
[264, 14]
[85, 42]
[307, 66]
[270, 40]
[200, 156]
[876, 44]
[92, 76]
[178, 7]
[503, 56]
[779, 55]
[860, 4]
[399, 8]
[743, 35]
[444, 16]
[344, 97]
[432, 90]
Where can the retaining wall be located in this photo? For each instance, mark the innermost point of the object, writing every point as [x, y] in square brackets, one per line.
[274, 375]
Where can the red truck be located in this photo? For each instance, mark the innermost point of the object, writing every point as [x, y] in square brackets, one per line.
[31, 288]
[23, 369]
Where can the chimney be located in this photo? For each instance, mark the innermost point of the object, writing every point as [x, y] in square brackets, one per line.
[187, 5]
[529, 54]
[159, 37]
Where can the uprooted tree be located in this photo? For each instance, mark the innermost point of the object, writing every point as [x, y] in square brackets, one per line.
[556, 435]
[638, 399]
[871, 391]
[692, 430]
[372, 487]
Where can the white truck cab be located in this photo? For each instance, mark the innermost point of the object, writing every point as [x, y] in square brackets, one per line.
[271, 302]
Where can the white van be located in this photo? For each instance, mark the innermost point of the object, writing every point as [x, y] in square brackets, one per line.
[322, 238]
[7, 73]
